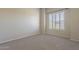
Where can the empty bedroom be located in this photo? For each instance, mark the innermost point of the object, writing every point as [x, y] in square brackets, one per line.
[39, 28]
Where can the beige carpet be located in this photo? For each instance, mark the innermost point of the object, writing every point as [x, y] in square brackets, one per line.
[41, 42]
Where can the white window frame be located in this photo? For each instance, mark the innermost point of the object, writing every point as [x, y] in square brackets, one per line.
[58, 12]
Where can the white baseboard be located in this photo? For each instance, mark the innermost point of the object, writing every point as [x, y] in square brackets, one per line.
[75, 40]
[68, 37]
[17, 38]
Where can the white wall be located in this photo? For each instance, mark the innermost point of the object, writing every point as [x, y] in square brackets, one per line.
[42, 20]
[17, 23]
[75, 24]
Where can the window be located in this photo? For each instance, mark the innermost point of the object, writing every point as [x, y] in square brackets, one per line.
[56, 20]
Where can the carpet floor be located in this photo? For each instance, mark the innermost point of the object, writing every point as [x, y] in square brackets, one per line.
[40, 42]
